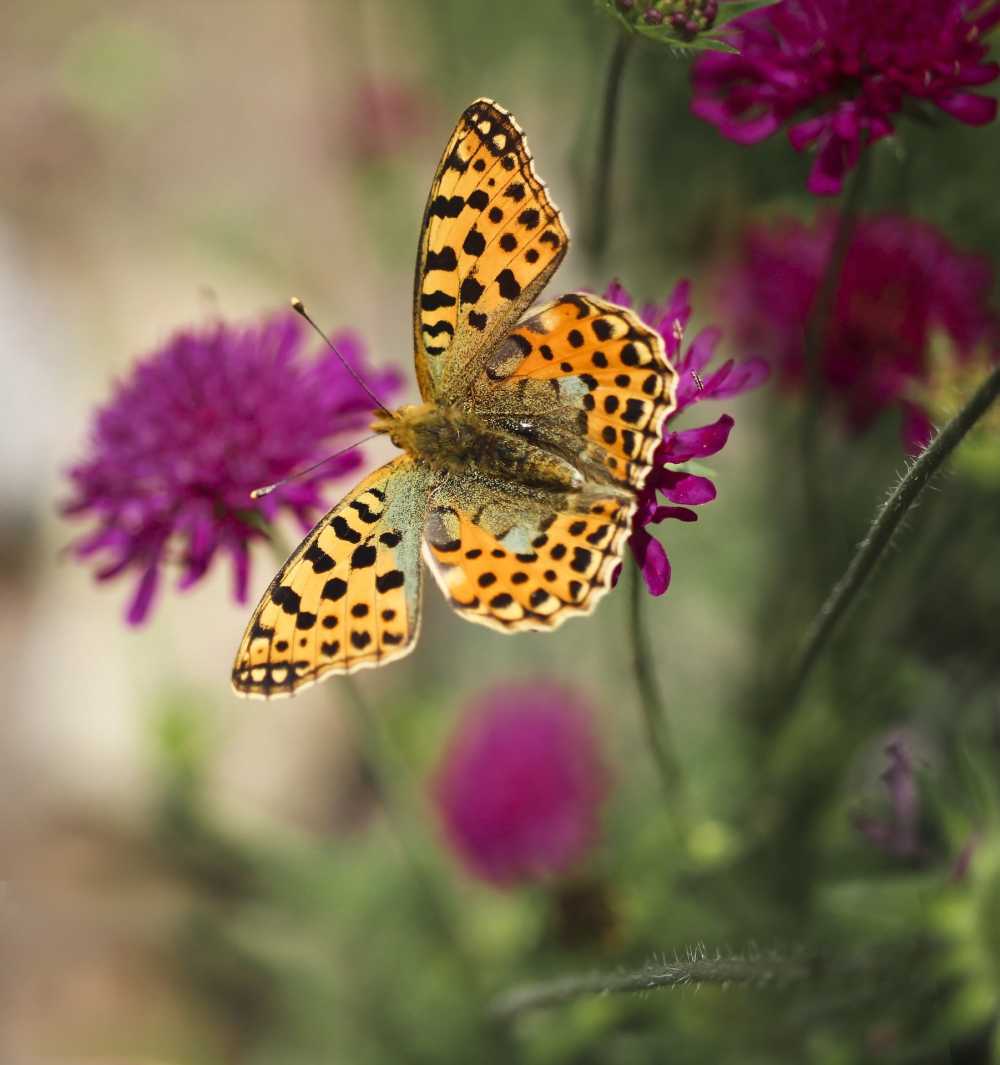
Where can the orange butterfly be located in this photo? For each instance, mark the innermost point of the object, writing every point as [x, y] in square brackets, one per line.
[520, 468]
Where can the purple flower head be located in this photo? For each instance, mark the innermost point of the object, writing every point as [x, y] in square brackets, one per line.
[521, 784]
[194, 429]
[385, 118]
[902, 284]
[839, 72]
[679, 488]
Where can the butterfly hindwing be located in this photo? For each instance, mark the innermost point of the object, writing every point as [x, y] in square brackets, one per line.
[491, 238]
[516, 563]
[590, 380]
[349, 596]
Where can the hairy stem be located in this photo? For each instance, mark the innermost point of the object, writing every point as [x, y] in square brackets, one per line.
[654, 710]
[697, 970]
[887, 520]
[600, 219]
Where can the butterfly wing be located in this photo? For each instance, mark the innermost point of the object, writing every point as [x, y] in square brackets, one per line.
[589, 382]
[586, 379]
[490, 240]
[515, 560]
[349, 596]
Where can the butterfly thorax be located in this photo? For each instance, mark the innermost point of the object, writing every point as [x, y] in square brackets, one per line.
[455, 441]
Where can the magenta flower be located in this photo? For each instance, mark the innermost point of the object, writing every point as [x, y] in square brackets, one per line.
[902, 284]
[194, 429]
[678, 487]
[521, 784]
[839, 72]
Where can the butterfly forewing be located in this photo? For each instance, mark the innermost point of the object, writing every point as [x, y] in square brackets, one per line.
[349, 597]
[491, 239]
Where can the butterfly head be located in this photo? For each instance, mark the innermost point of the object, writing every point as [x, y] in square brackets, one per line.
[404, 425]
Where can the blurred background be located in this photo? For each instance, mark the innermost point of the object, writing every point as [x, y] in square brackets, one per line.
[186, 877]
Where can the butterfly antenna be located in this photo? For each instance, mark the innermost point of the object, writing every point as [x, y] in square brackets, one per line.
[299, 307]
[269, 488]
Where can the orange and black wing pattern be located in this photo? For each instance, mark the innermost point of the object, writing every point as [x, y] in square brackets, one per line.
[490, 240]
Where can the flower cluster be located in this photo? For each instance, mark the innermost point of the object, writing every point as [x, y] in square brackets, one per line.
[216, 413]
[679, 487]
[840, 72]
[902, 286]
[687, 18]
[521, 784]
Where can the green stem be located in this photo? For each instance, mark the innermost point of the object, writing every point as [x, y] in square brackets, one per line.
[887, 520]
[601, 213]
[724, 971]
[377, 768]
[817, 327]
[652, 704]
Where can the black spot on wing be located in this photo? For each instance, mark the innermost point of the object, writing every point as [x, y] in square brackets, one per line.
[365, 513]
[471, 290]
[508, 284]
[287, 598]
[445, 259]
[385, 582]
[363, 556]
[434, 301]
[343, 531]
[474, 243]
[334, 589]
[446, 206]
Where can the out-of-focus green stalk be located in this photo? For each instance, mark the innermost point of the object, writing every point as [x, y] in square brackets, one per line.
[383, 778]
[600, 217]
[886, 521]
[816, 333]
[694, 971]
[652, 703]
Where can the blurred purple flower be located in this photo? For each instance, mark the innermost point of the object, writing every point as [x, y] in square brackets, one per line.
[898, 833]
[840, 71]
[521, 784]
[194, 429]
[385, 117]
[678, 487]
[901, 284]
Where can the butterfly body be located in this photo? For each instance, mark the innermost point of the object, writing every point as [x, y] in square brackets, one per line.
[453, 442]
[519, 471]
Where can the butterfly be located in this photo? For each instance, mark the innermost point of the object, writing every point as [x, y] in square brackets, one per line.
[519, 471]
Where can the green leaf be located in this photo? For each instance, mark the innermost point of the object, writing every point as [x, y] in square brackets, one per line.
[727, 12]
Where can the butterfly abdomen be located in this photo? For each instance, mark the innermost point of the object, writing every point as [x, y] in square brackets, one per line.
[454, 441]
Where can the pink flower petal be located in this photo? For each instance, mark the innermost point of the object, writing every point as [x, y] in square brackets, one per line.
[142, 598]
[968, 107]
[689, 489]
[696, 443]
[652, 560]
